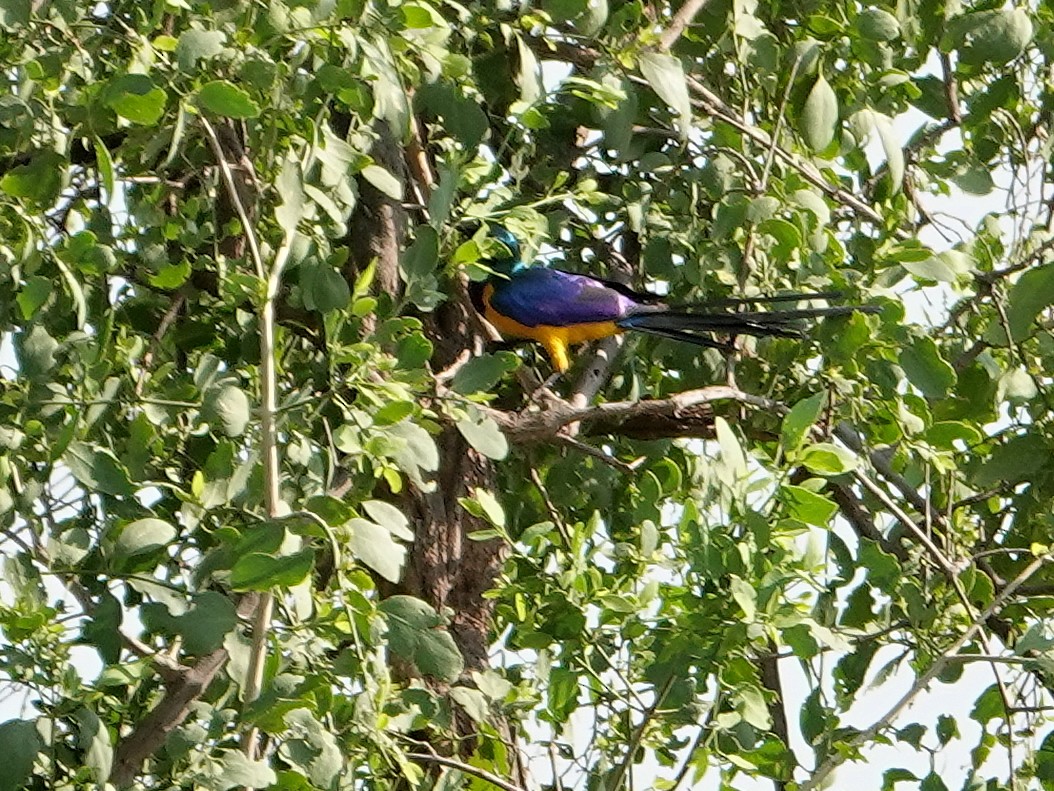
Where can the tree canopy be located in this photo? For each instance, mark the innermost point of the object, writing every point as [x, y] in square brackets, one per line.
[321, 530]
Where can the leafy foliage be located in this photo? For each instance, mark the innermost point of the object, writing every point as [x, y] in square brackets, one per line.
[713, 580]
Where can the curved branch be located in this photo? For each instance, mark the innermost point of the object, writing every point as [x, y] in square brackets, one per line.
[532, 426]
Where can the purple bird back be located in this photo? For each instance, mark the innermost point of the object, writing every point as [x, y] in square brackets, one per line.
[538, 296]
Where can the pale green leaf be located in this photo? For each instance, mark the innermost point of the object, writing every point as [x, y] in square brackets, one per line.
[818, 120]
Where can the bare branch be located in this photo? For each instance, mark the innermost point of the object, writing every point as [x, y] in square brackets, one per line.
[684, 16]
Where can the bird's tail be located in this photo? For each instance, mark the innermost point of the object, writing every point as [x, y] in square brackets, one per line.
[694, 327]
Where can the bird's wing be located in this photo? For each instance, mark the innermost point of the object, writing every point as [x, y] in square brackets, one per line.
[540, 296]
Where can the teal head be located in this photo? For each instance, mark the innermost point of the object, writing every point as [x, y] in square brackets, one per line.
[508, 261]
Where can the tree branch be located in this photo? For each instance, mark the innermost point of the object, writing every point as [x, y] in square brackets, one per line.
[684, 16]
[166, 716]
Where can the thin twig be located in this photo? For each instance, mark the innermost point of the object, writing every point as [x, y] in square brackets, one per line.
[684, 16]
[261, 620]
[482, 774]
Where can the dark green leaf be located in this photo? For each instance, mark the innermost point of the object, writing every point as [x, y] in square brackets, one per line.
[40, 180]
[210, 617]
[480, 374]
[414, 633]
[926, 369]
[102, 628]
[262, 572]
[947, 728]
[1032, 293]
[224, 98]
[94, 741]
[136, 98]
[195, 45]
[1015, 460]
[800, 419]
[19, 744]
[878, 24]
[97, 469]
[32, 295]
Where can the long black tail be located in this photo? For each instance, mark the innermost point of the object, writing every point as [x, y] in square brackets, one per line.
[688, 326]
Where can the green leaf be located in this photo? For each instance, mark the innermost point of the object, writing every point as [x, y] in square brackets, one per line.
[665, 75]
[976, 179]
[210, 617]
[226, 99]
[799, 420]
[15, 14]
[745, 596]
[890, 140]
[32, 295]
[391, 518]
[36, 351]
[40, 180]
[461, 116]
[1016, 460]
[94, 741]
[97, 469]
[19, 744]
[226, 407]
[291, 188]
[414, 633]
[1032, 293]
[945, 433]
[105, 164]
[932, 782]
[419, 265]
[484, 435]
[818, 121]
[807, 506]
[991, 36]
[384, 181]
[323, 288]
[823, 458]
[417, 452]
[144, 535]
[932, 268]
[375, 546]
[195, 45]
[136, 98]
[480, 374]
[947, 728]
[750, 703]
[732, 456]
[912, 734]
[926, 369]
[101, 629]
[988, 706]
[234, 769]
[317, 754]
[259, 571]
[878, 24]
[171, 276]
[489, 506]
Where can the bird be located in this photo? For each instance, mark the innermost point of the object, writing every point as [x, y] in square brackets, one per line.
[560, 309]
